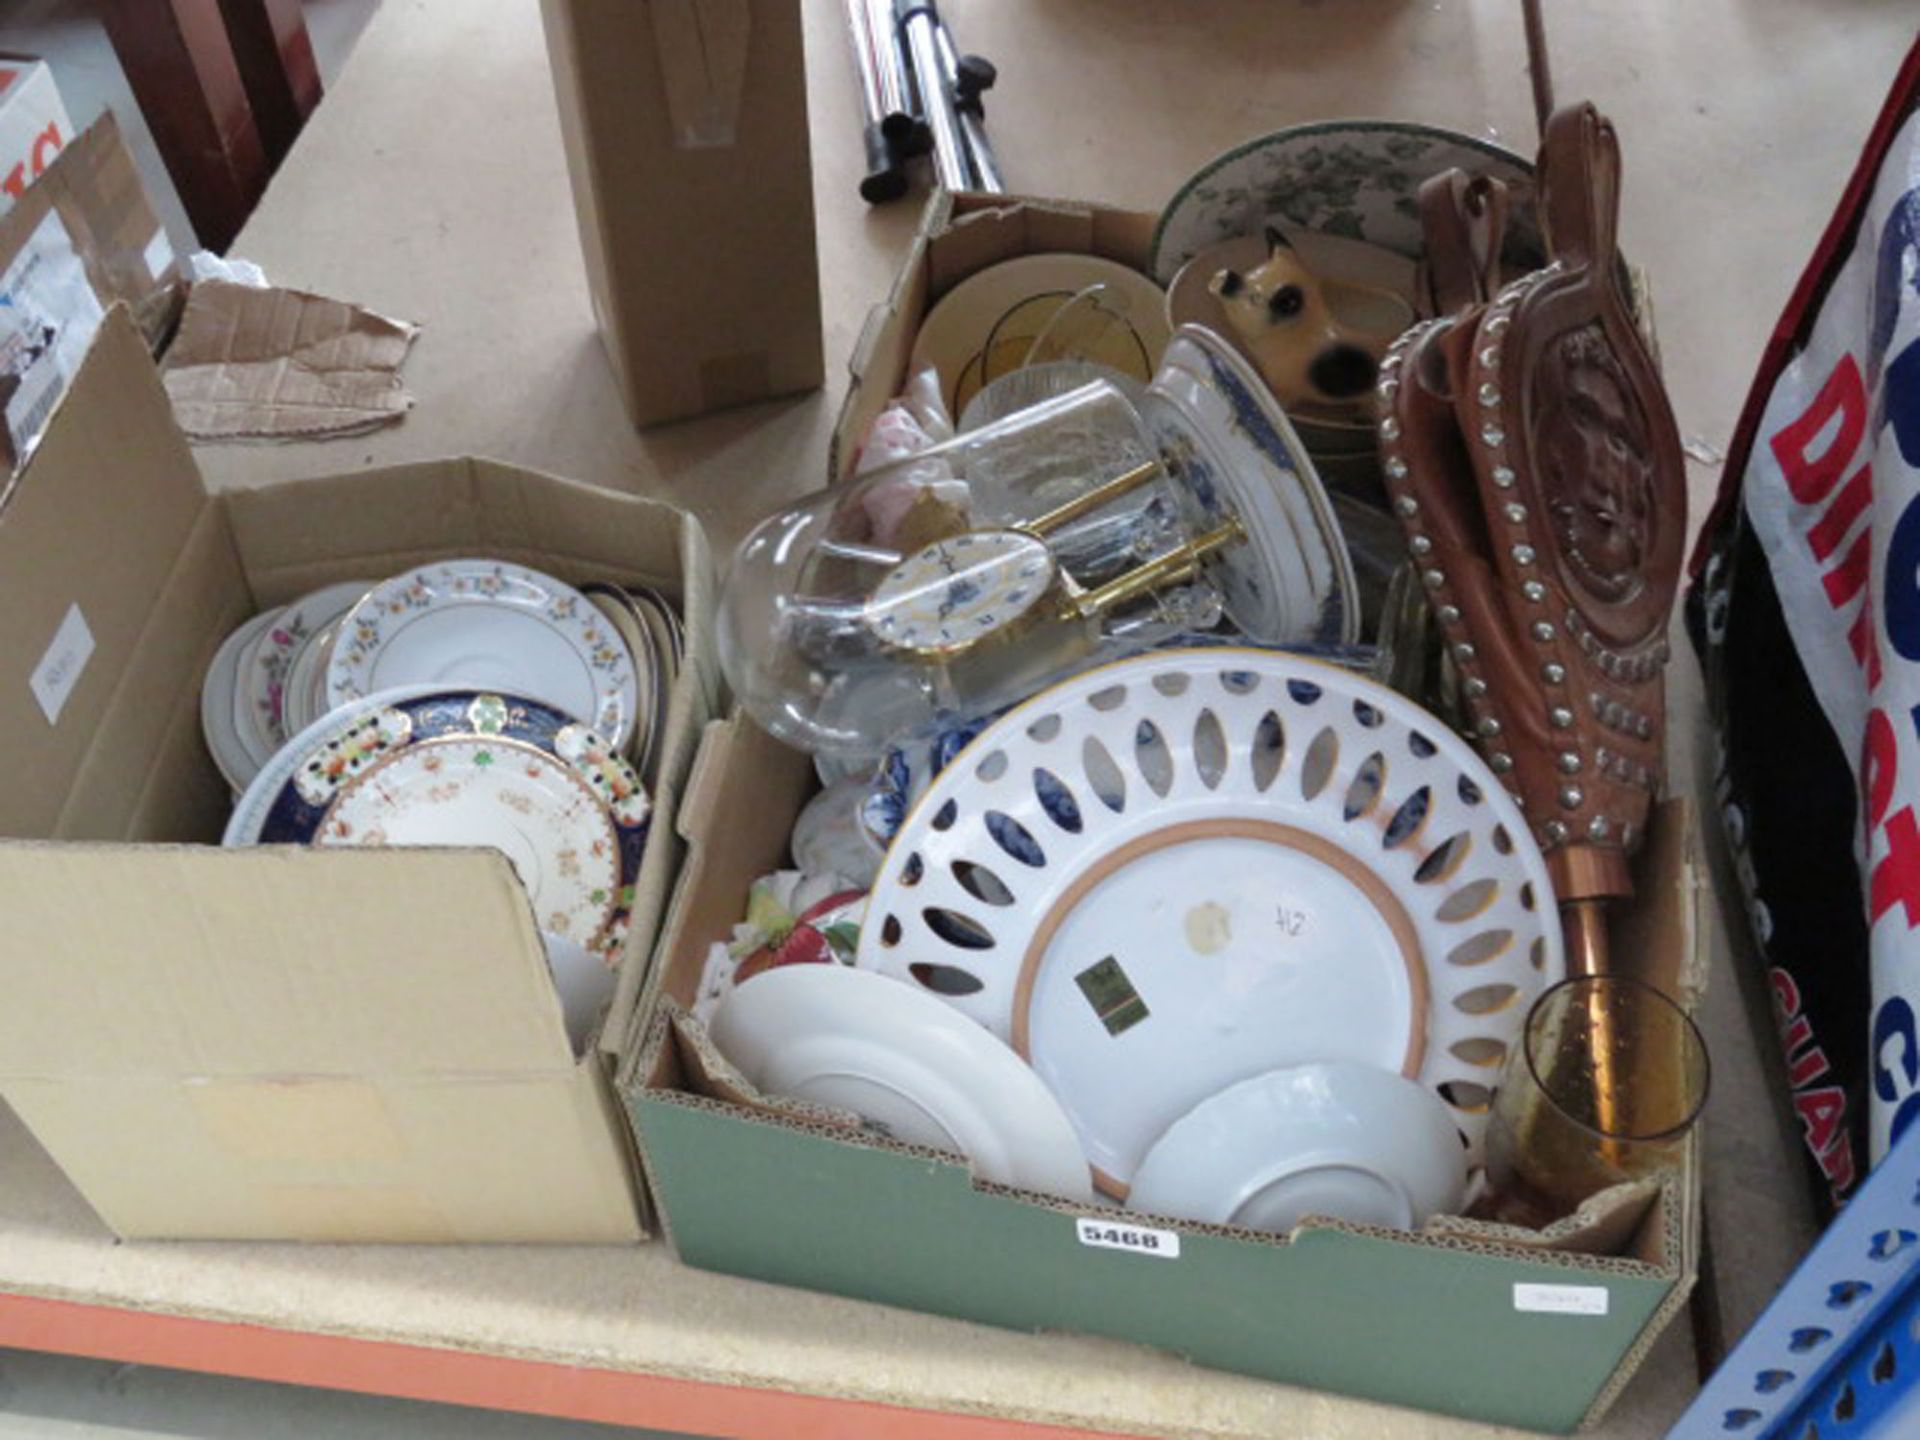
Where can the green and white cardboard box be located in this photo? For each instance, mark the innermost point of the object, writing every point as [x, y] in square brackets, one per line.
[1467, 1322]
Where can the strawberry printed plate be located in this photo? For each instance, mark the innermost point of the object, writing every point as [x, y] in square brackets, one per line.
[471, 768]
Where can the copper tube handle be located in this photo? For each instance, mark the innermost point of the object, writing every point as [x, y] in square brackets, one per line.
[1585, 924]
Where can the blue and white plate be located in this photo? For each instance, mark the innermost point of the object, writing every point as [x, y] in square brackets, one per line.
[470, 768]
[1292, 582]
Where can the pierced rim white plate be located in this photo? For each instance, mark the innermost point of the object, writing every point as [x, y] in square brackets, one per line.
[268, 666]
[1342, 1140]
[960, 322]
[1293, 581]
[907, 1065]
[486, 625]
[218, 717]
[1170, 874]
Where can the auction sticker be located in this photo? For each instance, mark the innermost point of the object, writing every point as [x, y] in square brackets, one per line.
[1134, 1239]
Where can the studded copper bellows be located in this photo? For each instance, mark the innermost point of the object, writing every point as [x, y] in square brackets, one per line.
[1533, 459]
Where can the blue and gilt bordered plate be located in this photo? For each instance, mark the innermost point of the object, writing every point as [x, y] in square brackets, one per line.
[470, 768]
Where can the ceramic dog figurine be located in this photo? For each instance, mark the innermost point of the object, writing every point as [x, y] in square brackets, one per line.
[1306, 354]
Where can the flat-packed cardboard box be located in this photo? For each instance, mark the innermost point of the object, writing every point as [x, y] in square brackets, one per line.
[1456, 1323]
[279, 1042]
[33, 124]
[685, 125]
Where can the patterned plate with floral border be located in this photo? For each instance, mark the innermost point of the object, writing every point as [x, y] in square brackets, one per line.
[485, 624]
[307, 679]
[466, 768]
[253, 738]
[1175, 872]
[1355, 178]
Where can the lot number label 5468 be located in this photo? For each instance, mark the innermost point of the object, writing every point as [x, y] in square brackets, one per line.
[1134, 1239]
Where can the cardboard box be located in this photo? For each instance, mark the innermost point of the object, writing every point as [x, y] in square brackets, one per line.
[685, 124]
[282, 1043]
[33, 124]
[1430, 1322]
[82, 237]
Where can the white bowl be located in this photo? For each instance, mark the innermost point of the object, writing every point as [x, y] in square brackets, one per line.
[1343, 1140]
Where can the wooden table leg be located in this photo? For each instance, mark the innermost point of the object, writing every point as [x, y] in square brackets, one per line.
[277, 67]
[182, 68]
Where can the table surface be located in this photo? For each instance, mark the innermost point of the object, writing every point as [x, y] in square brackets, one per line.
[431, 187]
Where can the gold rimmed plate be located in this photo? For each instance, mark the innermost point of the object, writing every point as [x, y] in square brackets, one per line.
[1174, 873]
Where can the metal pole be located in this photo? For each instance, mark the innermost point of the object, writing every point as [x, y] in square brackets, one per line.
[986, 167]
[884, 180]
[1537, 65]
[890, 75]
[919, 25]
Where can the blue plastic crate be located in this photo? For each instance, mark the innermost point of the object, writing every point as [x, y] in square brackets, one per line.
[1836, 1356]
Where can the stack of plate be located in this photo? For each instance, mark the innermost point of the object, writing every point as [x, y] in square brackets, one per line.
[606, 656]
[651, 628]
[464, 703]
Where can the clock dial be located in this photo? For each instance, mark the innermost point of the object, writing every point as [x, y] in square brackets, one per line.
[954, 592]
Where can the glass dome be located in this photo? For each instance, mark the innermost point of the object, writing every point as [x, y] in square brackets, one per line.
[958, 580]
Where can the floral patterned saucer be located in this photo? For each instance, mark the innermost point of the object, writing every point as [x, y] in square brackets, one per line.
[268, 665]
[487, 624]
[470, 768]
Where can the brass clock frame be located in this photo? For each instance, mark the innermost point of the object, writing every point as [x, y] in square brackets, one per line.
[1073, 601]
